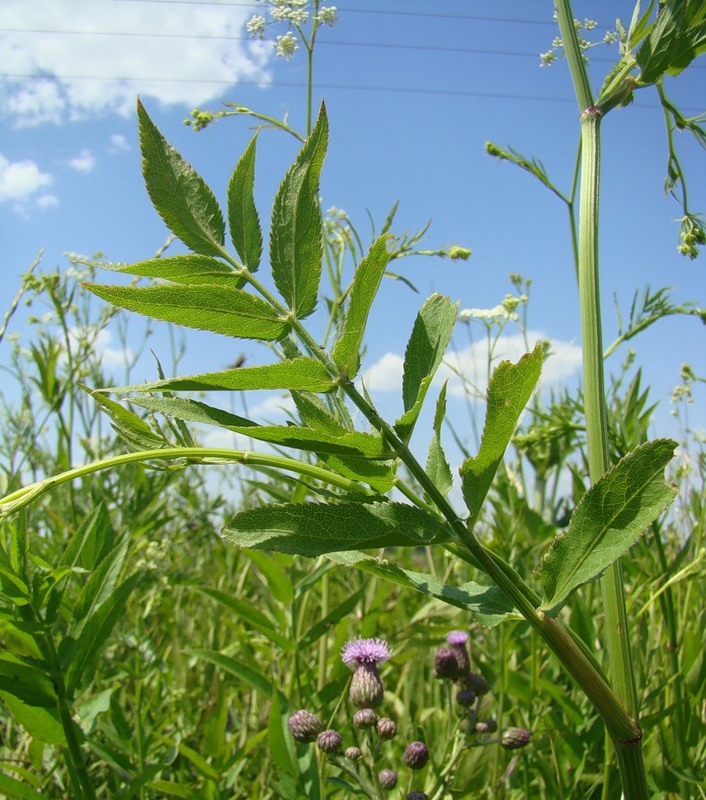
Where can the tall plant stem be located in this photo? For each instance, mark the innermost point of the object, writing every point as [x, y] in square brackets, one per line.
[617, 635]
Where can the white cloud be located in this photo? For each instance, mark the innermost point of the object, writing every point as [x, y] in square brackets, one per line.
[84, 162]
[467, 370]
[102, 343]
[385, 375]
[82, 58]
[47, 201]
[277, 405]
[118, 144]
[19, 181]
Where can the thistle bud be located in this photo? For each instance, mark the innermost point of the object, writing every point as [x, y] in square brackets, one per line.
[417, 796]
[476, 683]
[329, 741]
[365, 718]
[457, 640]
[388, 779]
[386, 728]
[446, 665]
[514, 738]
[366, 687]
[465, 698]
[416, 755]
[353, 753]
[304, 726]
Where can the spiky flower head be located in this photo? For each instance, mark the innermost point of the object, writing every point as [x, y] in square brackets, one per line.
[365, 652]
[514, 738]
[416, 755]
[329, 741]
[365, 718]
[417, 796]
[304, 726]
[388, 779]
[386, 728]
[446, 664]
[457, 641]
[353, 753]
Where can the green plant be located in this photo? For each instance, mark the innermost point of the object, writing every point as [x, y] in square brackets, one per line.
[338, 505]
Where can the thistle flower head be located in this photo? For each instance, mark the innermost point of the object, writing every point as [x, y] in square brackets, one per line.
[476, 683]
[304, 726]
[365, 652]
[388, 778]
[417, 796]
[365, 718]
[366, 690]
[514, 738]
[329, 741]
[416, 755]
[353, 753]
[446, 664]
[457, 638]
[386, 728]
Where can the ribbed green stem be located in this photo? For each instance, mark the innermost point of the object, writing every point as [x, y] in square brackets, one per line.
[628, 750]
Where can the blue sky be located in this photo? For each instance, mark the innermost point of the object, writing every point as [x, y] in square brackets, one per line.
[413, 89]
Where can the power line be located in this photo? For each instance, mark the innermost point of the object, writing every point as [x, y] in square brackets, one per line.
[386, 12]
[326, 87]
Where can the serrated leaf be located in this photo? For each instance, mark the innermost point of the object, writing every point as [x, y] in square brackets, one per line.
[178, 193]
[368, 274]
[129, 426]
[437, 467]
[350, 443]
[191, 411]
[243, 219]
[609, 519]
[426, 347]
[510, 388]
[296, 237]
[487, 603]
[313, 529]
[218, 309]
[303, 374]
[184, 269]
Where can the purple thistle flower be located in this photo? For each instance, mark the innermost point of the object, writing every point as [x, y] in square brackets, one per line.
[457, 638]
[446, 664]
[365, 652]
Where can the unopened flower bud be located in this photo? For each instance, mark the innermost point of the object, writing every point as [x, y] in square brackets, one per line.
[514, 738]
[446, 665]
[417, 796]
[366, 687]
[304, 726]
[388, 779]
[353, 753]
[386, 728]
[416, 755]
[476, 683]
[365, 718]
[465, 697]
[329, 741]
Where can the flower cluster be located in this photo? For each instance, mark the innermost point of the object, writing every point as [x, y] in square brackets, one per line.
[452, 663]
[548, 58]
[366, 692]
[692, 235]
[295, 14]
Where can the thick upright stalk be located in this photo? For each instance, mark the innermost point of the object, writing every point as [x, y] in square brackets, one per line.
[629, 752]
